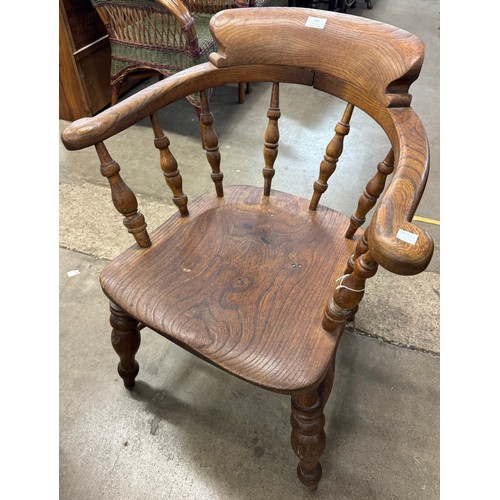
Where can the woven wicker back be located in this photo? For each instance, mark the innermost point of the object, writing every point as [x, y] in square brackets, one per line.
[142, 22]
[213, 6]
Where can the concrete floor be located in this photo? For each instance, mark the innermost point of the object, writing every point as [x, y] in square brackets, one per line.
[191, 431]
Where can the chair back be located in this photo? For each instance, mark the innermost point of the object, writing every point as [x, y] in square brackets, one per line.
[368, 64]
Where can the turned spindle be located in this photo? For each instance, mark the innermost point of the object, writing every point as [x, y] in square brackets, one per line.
[371, 194]
[271, 139]
[332, 155]
[211, 143]
[125, 339]
[168, 164]
[348, 294]
[123, 197]
[360, 249]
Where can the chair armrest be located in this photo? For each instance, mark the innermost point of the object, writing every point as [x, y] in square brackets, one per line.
[396, 244]
[185, 19]
[89, 131]
[180, 11]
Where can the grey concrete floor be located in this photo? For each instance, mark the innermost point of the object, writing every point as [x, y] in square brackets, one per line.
[191, 431]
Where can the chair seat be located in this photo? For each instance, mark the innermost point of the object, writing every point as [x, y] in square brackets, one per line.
[242, 282]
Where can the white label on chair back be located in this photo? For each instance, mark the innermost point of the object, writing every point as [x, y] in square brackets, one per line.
[316, 22]
[407, 236]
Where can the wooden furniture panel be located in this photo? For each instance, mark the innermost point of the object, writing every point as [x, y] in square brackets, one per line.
[84, 61]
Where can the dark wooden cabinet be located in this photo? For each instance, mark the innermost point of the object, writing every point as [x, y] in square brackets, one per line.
[84, 61]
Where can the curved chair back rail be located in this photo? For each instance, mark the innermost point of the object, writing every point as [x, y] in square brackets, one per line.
[370, 64]
[378, 58]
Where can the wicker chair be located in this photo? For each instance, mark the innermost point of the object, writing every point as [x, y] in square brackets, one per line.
[162, 37]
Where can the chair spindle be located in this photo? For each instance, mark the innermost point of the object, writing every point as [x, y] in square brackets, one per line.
[123, 197]
[333, 152]
[361, 248]
[211, 144]
[271, 139]
[168, 164]
[371, 194]
[348, 294]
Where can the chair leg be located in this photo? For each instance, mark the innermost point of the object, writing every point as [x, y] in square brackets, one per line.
[325, 388]
[126, 339]
[308, 436]
[241, 93]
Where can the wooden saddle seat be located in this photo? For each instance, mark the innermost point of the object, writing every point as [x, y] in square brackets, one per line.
[244, 285]
[259, 282]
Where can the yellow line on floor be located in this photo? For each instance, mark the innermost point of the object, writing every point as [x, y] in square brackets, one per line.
[428, 221]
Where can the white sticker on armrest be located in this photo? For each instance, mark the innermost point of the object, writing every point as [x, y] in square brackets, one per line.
[316, 22]
[406, 236]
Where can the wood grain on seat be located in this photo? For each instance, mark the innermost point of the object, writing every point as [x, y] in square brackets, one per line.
[242, 282]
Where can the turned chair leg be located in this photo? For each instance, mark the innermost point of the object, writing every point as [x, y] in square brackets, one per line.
[241, 93]
[308, 434]
[126, 339]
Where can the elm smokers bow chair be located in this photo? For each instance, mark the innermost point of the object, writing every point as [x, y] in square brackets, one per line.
[260, 283]
[162, 37]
